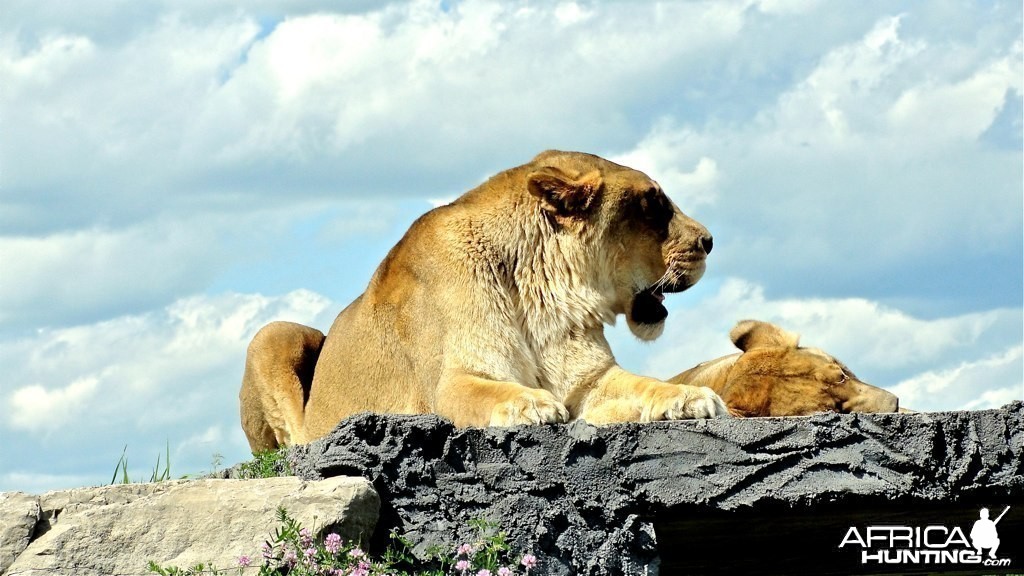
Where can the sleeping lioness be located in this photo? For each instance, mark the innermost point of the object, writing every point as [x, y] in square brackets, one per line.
[774, 376]
[490, 311]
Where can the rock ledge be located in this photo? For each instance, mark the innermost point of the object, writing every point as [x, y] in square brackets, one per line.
[633, 498]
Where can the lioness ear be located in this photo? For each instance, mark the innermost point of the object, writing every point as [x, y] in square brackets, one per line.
[563, 195]
[749, 334]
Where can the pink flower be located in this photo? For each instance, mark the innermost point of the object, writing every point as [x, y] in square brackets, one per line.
[529, 561]
[244, 560]
[503, 571]
[484, 572]
[305, 538]
[290, 557]
[363, 569]
[268, 551]
[310, 552]
[462, 565]
[356, 553]
[465, 549]
[332, 543]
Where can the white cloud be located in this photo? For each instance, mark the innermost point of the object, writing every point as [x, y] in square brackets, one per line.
[785, 6]
[100, 119]
[989, 382]
[61, 277]
[863, 175]
[84, 275]
[170, 375]
[330, 103]
[569, 13]
[830, 106]
[924, 109]
[662, 154]
[34, 408]
[207, 444]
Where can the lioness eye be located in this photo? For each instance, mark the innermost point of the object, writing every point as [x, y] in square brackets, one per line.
[656, 208]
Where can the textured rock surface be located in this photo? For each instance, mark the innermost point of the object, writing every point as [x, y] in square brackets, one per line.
[592, 500]
[18, 516]
[119, 529]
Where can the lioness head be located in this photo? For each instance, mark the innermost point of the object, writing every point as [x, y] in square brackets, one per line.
[644, 244]
[776, 377]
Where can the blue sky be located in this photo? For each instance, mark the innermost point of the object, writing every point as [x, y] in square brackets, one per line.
[174, 175]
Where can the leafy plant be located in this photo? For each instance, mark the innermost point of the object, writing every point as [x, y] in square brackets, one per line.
[215, 461]
[267, 464]
[293, 551]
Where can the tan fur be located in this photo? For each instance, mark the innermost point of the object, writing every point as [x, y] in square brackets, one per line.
[775, 377]
[490, 311]
[278, 371]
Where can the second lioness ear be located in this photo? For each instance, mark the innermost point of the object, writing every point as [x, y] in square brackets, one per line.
[563, 195]
[754, 334]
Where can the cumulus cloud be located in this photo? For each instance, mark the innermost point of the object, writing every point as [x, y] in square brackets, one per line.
[328, 102]
[85, 275]
[34, 408]
[170, 375]
[68, 277]
[988, 382]
[662, 154]
[868, 171]
[106, 125]
[786, 132]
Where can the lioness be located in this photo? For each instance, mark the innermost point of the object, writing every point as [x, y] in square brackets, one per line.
[774, 376]
[490, 311]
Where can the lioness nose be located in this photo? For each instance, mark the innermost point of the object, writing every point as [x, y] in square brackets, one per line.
[707, 243]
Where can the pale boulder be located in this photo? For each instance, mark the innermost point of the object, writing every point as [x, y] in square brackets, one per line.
[119, 529]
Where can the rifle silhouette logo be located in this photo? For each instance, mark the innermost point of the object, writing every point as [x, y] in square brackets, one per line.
[984, 533]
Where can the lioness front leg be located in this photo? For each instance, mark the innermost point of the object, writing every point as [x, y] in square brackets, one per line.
[623, 397]
[475, 401]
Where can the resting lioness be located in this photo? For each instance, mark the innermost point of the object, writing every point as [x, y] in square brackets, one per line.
[490, 311]
[774, 376]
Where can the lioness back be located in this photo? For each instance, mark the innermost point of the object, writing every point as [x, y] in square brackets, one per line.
[394, 334]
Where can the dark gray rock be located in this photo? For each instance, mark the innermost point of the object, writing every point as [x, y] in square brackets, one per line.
[626, 499]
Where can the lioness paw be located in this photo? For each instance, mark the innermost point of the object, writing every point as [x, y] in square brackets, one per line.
[678, 402]
[530, 407]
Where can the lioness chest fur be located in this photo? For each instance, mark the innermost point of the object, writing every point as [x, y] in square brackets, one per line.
[490, 311]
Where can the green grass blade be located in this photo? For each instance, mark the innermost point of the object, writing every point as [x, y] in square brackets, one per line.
[120, 462]
[167, 463]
